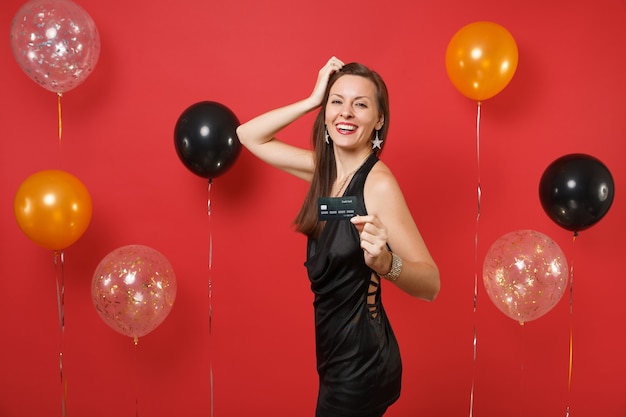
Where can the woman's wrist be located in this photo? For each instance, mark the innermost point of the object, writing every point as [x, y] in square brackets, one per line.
[395, 268]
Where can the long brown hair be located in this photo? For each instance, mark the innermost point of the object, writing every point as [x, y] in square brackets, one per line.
[325, 168]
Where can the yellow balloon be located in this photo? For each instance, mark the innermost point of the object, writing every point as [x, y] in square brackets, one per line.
[53, 208]
[481, 60]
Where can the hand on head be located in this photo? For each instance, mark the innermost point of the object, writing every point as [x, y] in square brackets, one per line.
[333, 65]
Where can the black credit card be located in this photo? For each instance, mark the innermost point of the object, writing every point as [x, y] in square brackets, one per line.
[336, 208]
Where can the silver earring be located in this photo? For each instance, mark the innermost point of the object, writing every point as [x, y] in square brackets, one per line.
[376, 143]
[326, 136]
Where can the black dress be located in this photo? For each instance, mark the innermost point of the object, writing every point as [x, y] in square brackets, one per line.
[358, 360]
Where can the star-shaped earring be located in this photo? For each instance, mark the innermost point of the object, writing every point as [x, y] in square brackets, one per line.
[376, 142]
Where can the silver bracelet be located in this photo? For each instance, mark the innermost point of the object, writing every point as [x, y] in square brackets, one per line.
[396, 268]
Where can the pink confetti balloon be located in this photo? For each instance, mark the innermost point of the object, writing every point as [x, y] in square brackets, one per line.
[525, 274]
[55, 42]
[133, 289]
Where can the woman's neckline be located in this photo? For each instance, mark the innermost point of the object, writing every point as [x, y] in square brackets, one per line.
[348, 178]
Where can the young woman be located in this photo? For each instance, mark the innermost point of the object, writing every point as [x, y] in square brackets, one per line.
[358, 358]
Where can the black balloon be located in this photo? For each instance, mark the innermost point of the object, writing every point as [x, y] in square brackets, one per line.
[206, 139]
[576, 191]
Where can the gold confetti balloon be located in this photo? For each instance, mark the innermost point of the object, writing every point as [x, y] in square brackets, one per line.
[55, 42]
[133, 289]
[525, 274]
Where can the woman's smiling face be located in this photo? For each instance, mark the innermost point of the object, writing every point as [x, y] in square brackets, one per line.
[352, 112]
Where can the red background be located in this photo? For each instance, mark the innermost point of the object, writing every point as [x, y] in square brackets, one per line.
[159, 57]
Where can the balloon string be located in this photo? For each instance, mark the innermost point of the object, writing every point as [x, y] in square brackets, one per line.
[478, 197]
[521, 388]
[136, 355]
[210, 289]
[473, 376]
[59, 269]
[59, 95]
[571, 327]
[210, 265]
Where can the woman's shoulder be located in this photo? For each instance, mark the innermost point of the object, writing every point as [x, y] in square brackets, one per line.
[382, 192]
[381, 180]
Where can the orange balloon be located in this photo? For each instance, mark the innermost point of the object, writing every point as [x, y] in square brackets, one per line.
[53, 208]
[481, 60]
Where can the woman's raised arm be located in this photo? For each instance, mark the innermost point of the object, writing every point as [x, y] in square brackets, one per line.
[258, 135]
